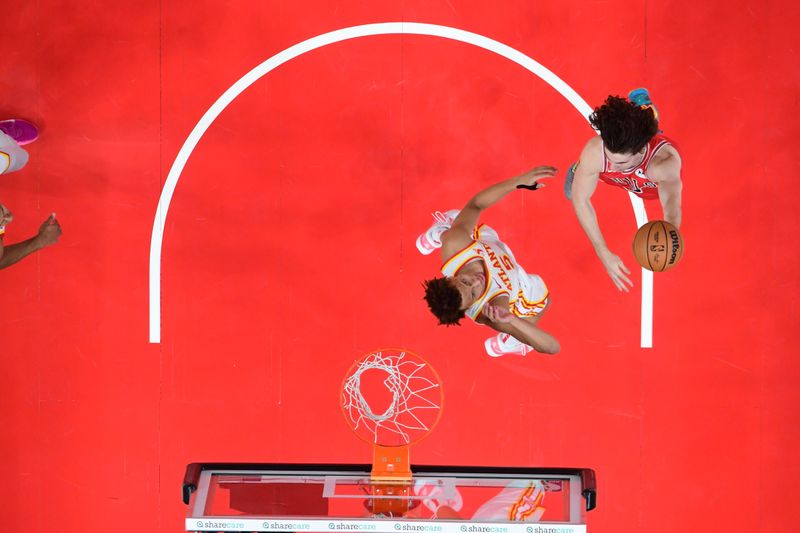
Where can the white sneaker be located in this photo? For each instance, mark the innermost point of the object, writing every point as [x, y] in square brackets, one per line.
[432, 239]
[505, 344]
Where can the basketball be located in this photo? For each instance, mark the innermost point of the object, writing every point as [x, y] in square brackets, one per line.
[658, 246]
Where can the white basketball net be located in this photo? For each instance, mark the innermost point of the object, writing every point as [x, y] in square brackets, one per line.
[414, 397]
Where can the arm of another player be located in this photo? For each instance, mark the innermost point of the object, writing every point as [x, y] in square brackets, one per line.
[525, 330]
[459, 234]
[583, 186]
[670, 187]
[48, 234]
[468, 218]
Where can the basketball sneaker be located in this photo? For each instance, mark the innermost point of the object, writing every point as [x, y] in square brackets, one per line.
[20, 130]
[432, 239]
[641, 98]
[505, 344]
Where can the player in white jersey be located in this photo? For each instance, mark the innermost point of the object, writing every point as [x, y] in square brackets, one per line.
[482, 279]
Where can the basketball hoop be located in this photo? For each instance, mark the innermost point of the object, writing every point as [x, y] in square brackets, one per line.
[391, 398]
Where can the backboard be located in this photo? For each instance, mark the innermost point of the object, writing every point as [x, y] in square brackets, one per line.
[439, 499]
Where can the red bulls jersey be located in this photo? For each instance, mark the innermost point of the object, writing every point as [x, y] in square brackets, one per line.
[635, 179]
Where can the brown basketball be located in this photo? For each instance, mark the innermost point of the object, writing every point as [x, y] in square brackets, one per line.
[658, 246]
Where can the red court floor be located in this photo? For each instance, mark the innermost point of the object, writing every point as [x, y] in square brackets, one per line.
[288, 251]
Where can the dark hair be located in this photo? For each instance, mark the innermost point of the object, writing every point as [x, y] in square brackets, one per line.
[624, 126]
[444, 300]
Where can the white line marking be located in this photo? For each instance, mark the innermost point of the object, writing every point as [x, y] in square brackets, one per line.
[385, 28]
[646, 337]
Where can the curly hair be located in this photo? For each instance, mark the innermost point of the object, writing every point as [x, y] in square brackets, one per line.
[444, 300]
[624, 126]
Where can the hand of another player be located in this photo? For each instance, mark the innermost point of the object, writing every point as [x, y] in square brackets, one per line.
[5, 216]
[617, 271]
[49, 231]
[497, 314]
[532, 177]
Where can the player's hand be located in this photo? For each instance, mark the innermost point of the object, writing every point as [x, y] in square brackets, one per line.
[530, 180]
[5, 216]
[49, 231]
[497, 314]
[617, 271]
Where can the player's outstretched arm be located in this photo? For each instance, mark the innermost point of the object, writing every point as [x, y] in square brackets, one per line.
[524, 330]
[670, 187]
[583, 186]
[468, 218]
[48, 234]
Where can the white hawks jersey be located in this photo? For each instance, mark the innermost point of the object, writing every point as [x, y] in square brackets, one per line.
[527, 293]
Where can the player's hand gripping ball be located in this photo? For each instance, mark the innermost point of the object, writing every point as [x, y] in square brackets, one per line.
[658, 246]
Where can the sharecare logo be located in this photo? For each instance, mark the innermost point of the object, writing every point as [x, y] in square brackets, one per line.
[416, 527]
[350, 526]
[484, 529]
[288, 526]
[219, 526]
[545, 529]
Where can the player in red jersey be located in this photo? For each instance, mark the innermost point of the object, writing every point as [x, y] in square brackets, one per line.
[630, 154]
